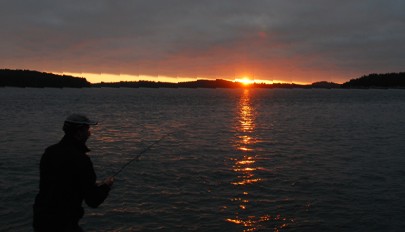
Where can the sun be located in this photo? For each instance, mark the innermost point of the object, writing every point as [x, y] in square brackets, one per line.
[245, 81]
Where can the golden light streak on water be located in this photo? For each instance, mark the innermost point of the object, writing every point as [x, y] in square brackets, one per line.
[242, 162]
[245, 149]
[250, 222]
[245, 182]
[246, 168]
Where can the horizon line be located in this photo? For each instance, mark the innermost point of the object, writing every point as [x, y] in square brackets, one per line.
[95, 78]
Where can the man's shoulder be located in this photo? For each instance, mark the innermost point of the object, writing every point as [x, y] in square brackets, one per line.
[62, 149]
[63, 146]
[53, 148]
[64, 152]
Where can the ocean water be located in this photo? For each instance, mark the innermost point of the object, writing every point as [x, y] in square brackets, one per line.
[229, 160]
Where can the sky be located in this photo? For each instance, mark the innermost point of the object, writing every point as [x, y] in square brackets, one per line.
[179, 40]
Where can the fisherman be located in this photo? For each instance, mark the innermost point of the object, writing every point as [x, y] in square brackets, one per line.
[67, 178]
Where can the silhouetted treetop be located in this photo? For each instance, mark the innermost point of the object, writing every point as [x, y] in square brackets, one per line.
[387, 80]
[27, 78]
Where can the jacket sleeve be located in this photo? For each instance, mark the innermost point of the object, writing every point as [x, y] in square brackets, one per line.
[94, 194]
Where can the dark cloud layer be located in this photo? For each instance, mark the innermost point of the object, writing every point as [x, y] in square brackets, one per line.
[268, 39]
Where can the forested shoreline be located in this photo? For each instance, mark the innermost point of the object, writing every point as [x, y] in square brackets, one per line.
[36, 79]
[28, 78]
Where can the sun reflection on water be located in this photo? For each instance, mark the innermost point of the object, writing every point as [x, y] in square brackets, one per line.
[246, 167]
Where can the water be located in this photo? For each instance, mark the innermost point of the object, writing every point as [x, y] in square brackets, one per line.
[235, 160]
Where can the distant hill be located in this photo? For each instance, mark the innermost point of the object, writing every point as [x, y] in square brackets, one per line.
[218, 83]
[27, 78]
[135, 84]
[212, 84]
[325, 85]
[388, 80]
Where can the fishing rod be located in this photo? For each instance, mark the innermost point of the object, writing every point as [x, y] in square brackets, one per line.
[140, 154]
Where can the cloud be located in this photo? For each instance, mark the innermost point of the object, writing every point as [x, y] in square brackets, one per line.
[295, 40]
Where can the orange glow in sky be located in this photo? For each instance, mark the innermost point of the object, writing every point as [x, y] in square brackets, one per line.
[109, 77]
[106, 77]
[245, 81]
[267, 41]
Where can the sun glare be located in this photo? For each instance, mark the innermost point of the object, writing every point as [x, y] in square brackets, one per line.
[245, 81]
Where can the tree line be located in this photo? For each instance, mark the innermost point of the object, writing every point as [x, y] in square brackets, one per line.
[28, 78]
[211, 84]
[387, 80]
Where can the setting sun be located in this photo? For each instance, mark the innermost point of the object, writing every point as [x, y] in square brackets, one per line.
[245, 81]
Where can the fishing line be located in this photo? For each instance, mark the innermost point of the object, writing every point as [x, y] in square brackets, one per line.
[140, 154]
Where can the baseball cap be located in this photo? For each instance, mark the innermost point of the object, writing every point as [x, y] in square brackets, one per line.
[80, 119]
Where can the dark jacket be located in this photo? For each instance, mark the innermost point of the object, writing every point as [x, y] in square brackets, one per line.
[67, 178]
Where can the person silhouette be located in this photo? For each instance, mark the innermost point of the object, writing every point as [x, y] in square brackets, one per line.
[67, 178]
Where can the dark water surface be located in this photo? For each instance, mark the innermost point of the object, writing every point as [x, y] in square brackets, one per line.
[235, 160]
